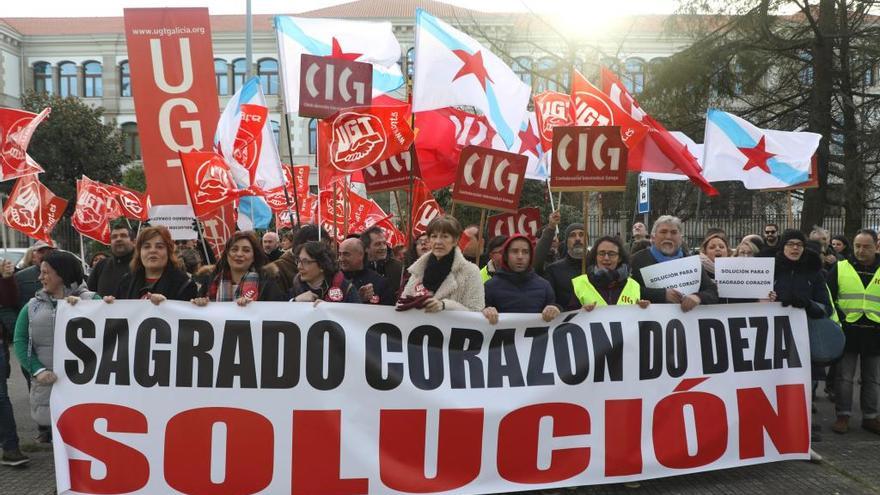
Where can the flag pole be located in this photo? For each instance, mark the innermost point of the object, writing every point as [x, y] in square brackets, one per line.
[483, 212]
[4, 228]
[289, 147]
[586, 208]
[82, 250]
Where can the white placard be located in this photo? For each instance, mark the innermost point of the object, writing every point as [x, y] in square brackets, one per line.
[682, 275]
[179, 219]
[745, 278]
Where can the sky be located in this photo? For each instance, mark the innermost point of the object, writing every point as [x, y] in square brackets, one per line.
[113, 8]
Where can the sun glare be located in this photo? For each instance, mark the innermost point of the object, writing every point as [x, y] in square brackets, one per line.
[596, 18]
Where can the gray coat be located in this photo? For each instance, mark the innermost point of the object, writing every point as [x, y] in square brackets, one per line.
[41, 339]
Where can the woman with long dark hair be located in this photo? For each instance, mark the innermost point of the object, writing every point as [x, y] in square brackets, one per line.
[318, 277]
[242, 274]
[607, 281]
[156, 272]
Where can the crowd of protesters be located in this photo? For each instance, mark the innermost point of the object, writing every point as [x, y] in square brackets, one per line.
[829, 277]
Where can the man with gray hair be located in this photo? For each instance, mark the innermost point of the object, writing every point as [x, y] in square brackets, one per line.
[271, 246]
[666, 245]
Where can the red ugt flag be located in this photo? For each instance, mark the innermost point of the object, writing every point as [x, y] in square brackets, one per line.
[425, 208]
[32, 209]
[296, 180]
[16, 129]
[552, 109]
[94, 207]
[592, 107]
[208, 181]
[132, 204]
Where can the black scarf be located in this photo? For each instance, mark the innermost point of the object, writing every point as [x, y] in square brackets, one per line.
[602, 278]
[437, 270]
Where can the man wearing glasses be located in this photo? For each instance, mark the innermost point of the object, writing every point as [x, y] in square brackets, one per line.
[771, 235]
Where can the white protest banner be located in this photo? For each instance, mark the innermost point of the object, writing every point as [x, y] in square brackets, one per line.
[744, 278]
[349, 399]
[682, 275]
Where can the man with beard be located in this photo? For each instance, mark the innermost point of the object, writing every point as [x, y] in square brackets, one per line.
[371, 287]
[771, 235]
[271, 247]
[666, 245]
[559, 273]
[106, 275]
[379, 258]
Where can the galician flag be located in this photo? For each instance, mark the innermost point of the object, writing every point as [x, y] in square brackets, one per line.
[245, 140]
[360, 41]
[528, 144]
[736, 150]
[453, 69]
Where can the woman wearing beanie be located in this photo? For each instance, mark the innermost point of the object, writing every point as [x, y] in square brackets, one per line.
[516, 288]
[156, 272]
[607, 281]
[442, 278]
[61, 276]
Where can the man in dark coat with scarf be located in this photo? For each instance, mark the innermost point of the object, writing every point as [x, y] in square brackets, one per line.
[561, 272]
[516, 288]
[666, 245]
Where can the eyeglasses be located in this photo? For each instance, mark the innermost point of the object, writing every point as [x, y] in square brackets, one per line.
[304, 261]
[794, 244]
[607, 254]
[769, 232]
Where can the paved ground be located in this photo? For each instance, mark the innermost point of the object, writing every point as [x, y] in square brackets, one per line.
[851, 465]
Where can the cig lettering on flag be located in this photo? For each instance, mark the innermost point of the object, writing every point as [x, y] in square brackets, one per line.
[453, 69]
[361, 41]
[736, 150]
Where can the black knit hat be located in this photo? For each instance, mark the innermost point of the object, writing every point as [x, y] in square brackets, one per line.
[67, 266]
[790, 235]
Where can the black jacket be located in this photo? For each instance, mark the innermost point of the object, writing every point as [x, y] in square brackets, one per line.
[384, 295]
[801, 284]
[708, 292]
[518, 293]
[862, 336]
[559, 274]
[107, 274]
[274, 255]
[391, 270]
[174, 284]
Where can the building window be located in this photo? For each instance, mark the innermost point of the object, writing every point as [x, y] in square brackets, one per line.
[267, 71]
[634, 75]
[546, 69]
[410, 62]
[67, 78]
[124, 79]
[132, 142]
[93, 85]
[239, 72]
[221, 73]
[522, 67]
[276, 131]
[313, 136]
[43, 78]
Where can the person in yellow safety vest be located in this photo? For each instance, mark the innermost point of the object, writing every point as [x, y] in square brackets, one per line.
[494, 251]
[854, 285]
[607, 280]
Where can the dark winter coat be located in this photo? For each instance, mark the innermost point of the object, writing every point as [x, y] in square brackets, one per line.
[801, 284]
[107, 274]
[382, 293]
[510, 292]
[559, 274]
[174, 284]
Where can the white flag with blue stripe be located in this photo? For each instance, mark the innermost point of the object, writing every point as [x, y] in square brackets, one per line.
[361, 41]
[736, 150]
[245, 139]
[453, 69]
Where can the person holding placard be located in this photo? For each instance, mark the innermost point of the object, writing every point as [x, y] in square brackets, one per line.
[666, 245]
[713, 246]
[798, 280]
[608, 280]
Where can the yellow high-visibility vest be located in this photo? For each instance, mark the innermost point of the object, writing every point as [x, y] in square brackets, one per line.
[587, 294]
[853, 298]
[484, 273]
